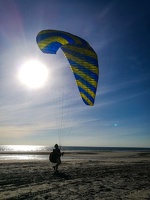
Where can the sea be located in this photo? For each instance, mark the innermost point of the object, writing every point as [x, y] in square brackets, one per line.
[31, 152]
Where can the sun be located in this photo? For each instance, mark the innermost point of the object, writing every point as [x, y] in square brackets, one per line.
[33, 74]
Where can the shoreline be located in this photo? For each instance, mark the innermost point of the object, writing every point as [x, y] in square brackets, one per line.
[105, 157]
[76, 151]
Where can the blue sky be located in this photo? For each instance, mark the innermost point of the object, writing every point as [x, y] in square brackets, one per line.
[119, 33]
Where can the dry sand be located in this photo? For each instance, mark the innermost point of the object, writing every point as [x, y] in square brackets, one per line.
[107, 175]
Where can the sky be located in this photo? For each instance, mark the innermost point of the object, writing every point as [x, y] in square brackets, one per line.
[119, 32]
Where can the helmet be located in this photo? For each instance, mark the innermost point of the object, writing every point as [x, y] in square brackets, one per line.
[56, 146]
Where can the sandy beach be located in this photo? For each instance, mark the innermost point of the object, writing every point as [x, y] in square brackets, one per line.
[103, 175]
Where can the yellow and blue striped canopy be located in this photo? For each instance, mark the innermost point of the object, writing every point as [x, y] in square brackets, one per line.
[82, 58]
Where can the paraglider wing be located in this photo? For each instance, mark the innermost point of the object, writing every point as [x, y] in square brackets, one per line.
[82, 58]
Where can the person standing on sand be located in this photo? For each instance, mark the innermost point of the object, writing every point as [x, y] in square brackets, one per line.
[55, 157]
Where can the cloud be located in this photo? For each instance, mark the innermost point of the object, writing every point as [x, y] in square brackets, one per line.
[121, 91]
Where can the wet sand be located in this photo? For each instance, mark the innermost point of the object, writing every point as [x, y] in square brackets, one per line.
[87, 176]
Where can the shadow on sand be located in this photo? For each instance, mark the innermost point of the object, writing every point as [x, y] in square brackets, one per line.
[62, 175]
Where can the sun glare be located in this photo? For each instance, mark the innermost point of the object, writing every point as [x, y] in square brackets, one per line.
[33, 74]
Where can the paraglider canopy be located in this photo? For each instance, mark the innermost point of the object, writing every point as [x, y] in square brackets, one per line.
[81, 56]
